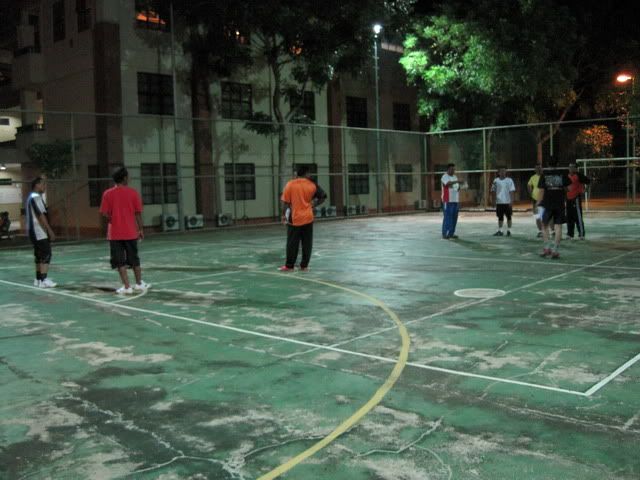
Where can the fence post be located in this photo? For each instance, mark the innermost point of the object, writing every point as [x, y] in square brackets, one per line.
[75, 176]
[485, 178]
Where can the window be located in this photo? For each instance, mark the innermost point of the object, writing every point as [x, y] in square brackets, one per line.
[236, 100]
[95, 192]
[155, 94]
[356, 112]
[84, 15]
[308, 106]
[401, 116]
[358, 179]
[58, 21]
[313, 169]
[155, 189]
[147, 17]
[404, 177]
[244, 186]
[4, 121]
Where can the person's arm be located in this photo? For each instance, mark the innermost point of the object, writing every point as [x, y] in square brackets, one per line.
[42, 218]
[512, 192]
[584, 179]
[140, 225]
[530, 187]
[540, 196]
[320, 196]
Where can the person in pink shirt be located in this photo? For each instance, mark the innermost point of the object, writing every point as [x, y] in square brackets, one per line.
[122, 207]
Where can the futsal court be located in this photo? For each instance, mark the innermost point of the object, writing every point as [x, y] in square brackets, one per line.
[375, 364]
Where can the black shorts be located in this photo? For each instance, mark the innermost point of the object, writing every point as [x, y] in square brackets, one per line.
[124, 253]
[504, 209]
[42, 251]
[558, 215]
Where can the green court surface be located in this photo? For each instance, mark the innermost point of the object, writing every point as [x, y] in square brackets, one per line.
[228, 369]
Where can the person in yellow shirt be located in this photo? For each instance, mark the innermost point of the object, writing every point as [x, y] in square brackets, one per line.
[534, 192]
[299, 197]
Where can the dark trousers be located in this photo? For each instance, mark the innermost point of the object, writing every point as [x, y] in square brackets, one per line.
[295, 235]
[449, 219]
[574, 217]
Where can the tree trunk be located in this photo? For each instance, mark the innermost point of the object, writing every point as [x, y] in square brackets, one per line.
[205, 168]
[282, 128]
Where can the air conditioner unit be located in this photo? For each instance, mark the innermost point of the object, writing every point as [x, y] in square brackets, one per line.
[420, 204]
[224, 219]
[437, 203]
[350, 210]
[331, 211]
[194, 221]
[170, 223]
[362, 209]
[319, 212]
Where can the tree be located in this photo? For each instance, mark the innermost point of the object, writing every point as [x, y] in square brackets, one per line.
[305, 43]
[497, 61]
[210, 33]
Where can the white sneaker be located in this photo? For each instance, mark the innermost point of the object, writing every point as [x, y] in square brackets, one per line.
[124, 290]
[47, 283]
[141, 287]
[36, 283]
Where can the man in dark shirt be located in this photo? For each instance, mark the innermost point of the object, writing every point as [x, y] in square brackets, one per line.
[553, 186]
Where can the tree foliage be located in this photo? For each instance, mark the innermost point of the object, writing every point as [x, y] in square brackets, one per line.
[493, 61]
[52, 159]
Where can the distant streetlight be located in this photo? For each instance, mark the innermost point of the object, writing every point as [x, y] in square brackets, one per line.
[377, 28]
[624, 78]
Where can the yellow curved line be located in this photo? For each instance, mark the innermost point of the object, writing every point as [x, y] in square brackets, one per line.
[367, 407]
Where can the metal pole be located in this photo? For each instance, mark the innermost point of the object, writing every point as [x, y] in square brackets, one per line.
[75, 175]
[176, 141]
[378, 160]
[551, 139]
[586, 193]
[485, 179]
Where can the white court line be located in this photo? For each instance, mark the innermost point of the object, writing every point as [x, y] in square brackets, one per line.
[195, 277]
[613, 375]
[463, 305]
[289, 340]
[132, 297]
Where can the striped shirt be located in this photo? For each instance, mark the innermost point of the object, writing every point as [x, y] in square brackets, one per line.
[34, 207]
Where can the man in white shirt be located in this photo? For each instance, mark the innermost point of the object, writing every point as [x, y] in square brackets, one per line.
[450, 198]
[503, 188]
[40, 232]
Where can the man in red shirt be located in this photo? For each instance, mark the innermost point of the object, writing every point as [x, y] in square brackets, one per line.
[574, 201]
[122, 207]
[299, 197]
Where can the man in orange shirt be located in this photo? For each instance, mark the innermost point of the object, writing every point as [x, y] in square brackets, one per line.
[299, 197]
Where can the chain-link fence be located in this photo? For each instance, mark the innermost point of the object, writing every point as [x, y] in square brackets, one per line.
[200, 173]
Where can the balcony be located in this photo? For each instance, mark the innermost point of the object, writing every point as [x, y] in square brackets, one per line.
[28, 68]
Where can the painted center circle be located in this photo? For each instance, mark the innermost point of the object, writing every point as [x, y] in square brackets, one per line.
[479, 293]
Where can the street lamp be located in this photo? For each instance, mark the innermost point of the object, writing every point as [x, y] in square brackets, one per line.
[377, 28]
[624, 78]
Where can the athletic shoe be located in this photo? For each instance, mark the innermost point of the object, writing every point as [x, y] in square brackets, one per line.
[508, 233]
[581, 238]
[284, 268]
[555, 255]
[539, 235]
[498, 233]
[140, 287]
[124, 290]
[304, 269]
[47, 283]
[36, 283]
[455, 237]
[546, 252]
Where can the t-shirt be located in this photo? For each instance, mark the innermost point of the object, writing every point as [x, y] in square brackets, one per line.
[34, 207]
[299, 194]
[503, 187]
[554, 183]
[120, 204]
[533, 182]
[578, 181]
[450, 194]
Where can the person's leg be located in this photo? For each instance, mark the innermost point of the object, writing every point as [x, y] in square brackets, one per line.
[579, 218]
[454, 217]
[119, 261]
[445, 219]
[571, 218]
[500, 215]
[133, 260]
[307, 244]
[293, 243]
[509, 215]
[124, 276]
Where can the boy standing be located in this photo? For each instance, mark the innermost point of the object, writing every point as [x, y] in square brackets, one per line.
[503, 188]
[122, 207]
[574, 201]
[534, 192]
[40, 232]
[553, 185]
[299, 197]
[450, 198]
